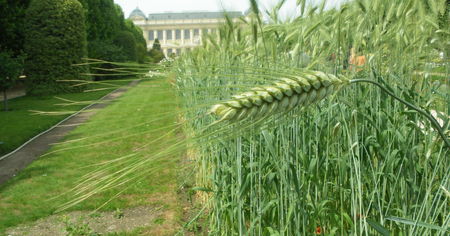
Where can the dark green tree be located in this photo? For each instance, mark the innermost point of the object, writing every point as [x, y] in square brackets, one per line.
[156, 54]
[156, 45]
[126, 41]
[55, 41]
[12, 21]
[102, 20]
[10, 69]
[141, 43]
[141, 53]
[137, 33]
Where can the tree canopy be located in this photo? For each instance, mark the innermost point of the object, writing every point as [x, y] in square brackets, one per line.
[54, 43]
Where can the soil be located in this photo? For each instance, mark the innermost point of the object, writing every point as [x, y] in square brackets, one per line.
[90, 223]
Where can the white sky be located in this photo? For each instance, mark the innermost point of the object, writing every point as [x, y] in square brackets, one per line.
[157, 6]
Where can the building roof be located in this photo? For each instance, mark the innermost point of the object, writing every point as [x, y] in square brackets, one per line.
[193, 15]
[137, 13]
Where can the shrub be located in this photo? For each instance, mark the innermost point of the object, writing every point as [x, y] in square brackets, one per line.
[55, 41]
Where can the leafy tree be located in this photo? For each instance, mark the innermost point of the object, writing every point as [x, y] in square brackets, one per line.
[141, 43]
[10, 69]
[12, 22]
[141, 53]
[55, 41]
[106, 51]
[127, 42]
[156, 54]
[137, 32]
[157, 45]
[102, 20]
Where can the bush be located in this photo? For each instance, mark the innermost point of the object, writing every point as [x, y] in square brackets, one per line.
[126, 41]
[55, 41]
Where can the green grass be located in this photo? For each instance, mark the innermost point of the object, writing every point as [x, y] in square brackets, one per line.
[18, 125]
[28, 196]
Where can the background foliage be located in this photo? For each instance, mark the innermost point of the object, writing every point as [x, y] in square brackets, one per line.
[54, 42]
[101, 23]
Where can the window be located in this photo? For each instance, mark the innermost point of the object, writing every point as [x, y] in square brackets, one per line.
[169, 34]
[177, 34]
[178, 51]
[196, 32]
[160, 34]
[169, 51]
[187, 34]
[204, 31]
[151, 36]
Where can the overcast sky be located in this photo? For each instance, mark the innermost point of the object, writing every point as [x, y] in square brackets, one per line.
[155, 6]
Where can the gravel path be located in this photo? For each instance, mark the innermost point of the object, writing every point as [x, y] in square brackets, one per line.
[20, 159]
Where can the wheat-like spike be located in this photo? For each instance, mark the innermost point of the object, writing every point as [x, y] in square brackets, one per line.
[282, 95]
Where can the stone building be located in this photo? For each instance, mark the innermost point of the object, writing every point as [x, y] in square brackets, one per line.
[178, 32]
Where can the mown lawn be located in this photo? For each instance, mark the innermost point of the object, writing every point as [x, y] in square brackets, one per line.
[116, 131]
[18, 125]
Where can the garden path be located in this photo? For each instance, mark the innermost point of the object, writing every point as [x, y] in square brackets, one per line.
[12, 163]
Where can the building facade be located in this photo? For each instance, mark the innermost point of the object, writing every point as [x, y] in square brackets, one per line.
[178, 32]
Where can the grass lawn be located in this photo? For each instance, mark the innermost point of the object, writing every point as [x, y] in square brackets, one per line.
[116, 131]
[19, 124]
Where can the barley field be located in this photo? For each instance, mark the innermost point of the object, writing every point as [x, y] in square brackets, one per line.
[283, 139]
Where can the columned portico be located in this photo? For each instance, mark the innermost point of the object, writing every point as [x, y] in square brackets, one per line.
[178, 32]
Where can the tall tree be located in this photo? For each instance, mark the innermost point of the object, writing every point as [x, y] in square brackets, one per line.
[102, 20]
[126, 41]
[10, 69]
[12, 21]
[54, 43]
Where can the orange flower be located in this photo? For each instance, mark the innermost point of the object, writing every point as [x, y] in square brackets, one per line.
[318, 230]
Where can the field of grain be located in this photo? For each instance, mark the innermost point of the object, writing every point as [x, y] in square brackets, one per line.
[355, 161]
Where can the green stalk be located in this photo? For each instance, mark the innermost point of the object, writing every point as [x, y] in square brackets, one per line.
[433, 121]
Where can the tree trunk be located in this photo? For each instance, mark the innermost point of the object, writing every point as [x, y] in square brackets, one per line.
[5, 101]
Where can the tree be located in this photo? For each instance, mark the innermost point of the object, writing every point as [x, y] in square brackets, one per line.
[126, 41]
[156, 45]
[102, 20]
[12, 22]
[137, 33]
[156, 54]
[106, 51]
[55, 41]
[10, 69]
[141, 43]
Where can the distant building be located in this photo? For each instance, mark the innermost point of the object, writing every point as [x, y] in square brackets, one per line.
[178, 32]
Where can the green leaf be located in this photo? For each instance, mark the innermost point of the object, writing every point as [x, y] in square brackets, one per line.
[378, 227]
[418, 223]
